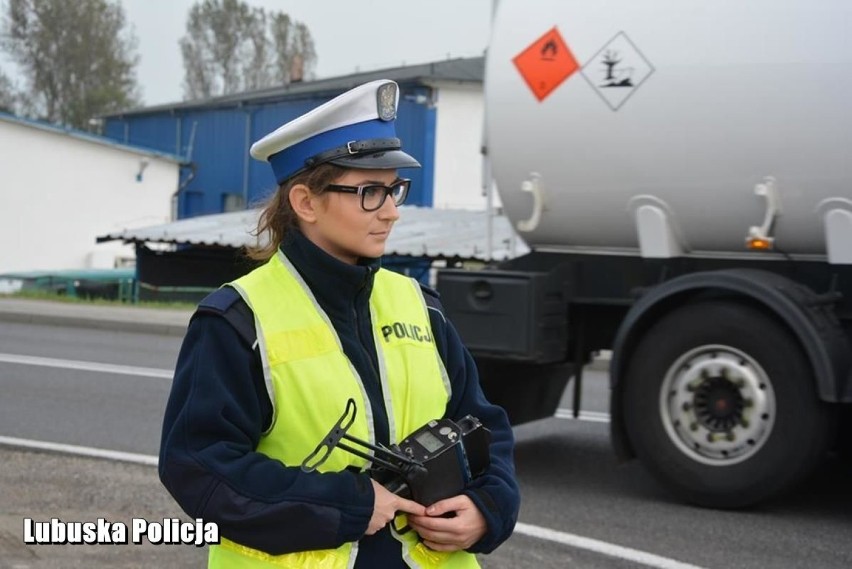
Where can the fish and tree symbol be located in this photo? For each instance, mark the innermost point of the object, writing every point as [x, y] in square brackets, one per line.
[616, 77]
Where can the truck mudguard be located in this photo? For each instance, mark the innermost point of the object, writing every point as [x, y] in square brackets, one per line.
[809, 316]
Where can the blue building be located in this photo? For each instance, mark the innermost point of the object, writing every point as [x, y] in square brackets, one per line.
[213, 136]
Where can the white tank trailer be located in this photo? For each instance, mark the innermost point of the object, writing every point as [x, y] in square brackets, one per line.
[682, 172]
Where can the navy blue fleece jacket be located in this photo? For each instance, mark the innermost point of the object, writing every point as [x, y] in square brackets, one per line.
[219, 407]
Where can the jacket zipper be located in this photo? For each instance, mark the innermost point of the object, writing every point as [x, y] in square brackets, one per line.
[372, 364]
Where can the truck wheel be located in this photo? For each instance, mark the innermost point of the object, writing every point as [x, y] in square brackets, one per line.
[720, 405]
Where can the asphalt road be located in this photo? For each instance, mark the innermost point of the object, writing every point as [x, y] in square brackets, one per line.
[580, 508]
[117, 411]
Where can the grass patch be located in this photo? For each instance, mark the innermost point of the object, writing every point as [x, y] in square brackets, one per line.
[52, 297]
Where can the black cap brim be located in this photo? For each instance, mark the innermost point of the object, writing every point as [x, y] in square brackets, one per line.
[387, 160]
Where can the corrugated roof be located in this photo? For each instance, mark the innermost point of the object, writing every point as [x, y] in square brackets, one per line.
[466, 70]
[421, 232]
[87, 136]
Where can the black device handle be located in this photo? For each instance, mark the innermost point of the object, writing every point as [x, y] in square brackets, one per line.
[394, 461]
[332, 439]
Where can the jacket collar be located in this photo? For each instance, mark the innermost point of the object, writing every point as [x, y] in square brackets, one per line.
[332, 281]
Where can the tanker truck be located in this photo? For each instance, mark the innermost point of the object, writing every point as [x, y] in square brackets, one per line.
[682, 175]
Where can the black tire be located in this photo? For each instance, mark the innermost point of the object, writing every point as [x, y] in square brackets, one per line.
[736, 378]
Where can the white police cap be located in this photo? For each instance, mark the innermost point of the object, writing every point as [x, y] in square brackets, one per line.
[355, 130]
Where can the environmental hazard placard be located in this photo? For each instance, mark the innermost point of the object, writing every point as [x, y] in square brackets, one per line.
[617, 70]
[546, 63]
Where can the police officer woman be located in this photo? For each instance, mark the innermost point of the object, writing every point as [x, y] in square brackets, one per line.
[270, 360]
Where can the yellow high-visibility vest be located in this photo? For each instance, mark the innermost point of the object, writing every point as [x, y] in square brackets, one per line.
[310, 379]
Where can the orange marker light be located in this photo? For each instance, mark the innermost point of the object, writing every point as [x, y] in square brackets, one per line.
[759, 244]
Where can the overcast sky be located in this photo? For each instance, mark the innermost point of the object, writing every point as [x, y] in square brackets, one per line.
[348, 35]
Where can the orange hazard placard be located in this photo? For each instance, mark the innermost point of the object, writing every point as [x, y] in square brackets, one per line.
[546, 63]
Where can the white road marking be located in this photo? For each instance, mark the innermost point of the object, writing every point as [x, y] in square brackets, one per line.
[537, 532]
[86, 366]
[571, 540]
[591, 416]
[602, 547]
[116, 455]
[562, 413]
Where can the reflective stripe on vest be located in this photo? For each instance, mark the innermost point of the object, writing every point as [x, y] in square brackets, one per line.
[310, 379]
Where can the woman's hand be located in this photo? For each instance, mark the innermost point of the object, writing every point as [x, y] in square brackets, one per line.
[461, 531]
[386, 505]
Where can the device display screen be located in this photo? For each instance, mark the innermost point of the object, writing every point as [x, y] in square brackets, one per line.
[429, 441]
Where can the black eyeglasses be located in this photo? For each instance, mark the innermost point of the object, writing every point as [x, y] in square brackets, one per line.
[373, 196]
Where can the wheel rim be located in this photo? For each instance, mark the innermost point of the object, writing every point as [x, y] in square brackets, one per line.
[717, 405]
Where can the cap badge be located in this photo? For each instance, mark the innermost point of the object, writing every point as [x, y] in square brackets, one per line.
[386, 101]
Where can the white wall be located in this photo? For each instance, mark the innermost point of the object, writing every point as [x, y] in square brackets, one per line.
[59, 192]
[458, 139]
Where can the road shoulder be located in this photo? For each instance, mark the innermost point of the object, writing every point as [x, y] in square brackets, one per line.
[41, 486]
